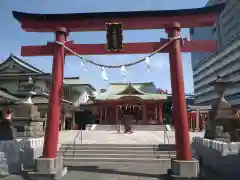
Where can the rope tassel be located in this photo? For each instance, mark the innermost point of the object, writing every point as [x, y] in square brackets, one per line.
[148, 63]
[104, 74]
[83, 66]
[124, 72]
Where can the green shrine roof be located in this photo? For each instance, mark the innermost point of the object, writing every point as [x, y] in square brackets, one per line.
[145, 91]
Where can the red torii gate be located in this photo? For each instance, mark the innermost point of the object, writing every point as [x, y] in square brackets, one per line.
[170, 20]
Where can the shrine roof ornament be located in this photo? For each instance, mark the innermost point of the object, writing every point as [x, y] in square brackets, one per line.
[130, 89]
[79, 21]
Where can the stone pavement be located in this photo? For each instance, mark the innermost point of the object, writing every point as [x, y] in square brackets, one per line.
[119, 171]
[112, 137]
[109, 171]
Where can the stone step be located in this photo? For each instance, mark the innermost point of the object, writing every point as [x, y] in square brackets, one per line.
[118, 145]
[133, 156]
[166, 147]
[75, 161]
[99, 151]
[124, 168]
[115, 149]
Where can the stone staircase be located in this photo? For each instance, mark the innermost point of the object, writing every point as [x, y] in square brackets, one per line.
[116, 153]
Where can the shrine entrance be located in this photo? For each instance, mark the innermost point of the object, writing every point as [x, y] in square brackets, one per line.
[115, 23]
[132, 111]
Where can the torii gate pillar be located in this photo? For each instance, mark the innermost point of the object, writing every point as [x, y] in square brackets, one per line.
[183, 166]
[54, 105]
[50, 163]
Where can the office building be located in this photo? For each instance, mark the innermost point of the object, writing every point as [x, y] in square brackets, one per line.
[225, 62]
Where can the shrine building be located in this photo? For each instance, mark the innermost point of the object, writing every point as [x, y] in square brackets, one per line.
[141, 100]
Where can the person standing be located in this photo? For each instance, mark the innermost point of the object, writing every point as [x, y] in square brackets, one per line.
[8, 115]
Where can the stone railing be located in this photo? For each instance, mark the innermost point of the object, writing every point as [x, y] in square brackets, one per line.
[16, 155]
[222, 157]
[218, 146]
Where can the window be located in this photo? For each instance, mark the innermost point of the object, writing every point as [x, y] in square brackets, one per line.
[214, 30]
[20, 128]
[22, 81]
[191, 31]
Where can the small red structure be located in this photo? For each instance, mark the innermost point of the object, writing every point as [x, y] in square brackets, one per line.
[197, 117]
[170, 20]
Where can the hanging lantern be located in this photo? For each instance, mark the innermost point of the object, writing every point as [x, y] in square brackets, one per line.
[104, 74]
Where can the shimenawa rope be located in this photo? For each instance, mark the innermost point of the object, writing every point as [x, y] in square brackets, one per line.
[169, 41]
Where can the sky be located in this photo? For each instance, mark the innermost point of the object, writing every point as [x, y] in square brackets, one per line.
[12, 37]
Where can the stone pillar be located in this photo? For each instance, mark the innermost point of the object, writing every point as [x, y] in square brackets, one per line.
[63, 122]
[191, 122]
[73, 119]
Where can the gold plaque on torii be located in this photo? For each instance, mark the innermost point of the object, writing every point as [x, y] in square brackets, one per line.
[114, 36]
